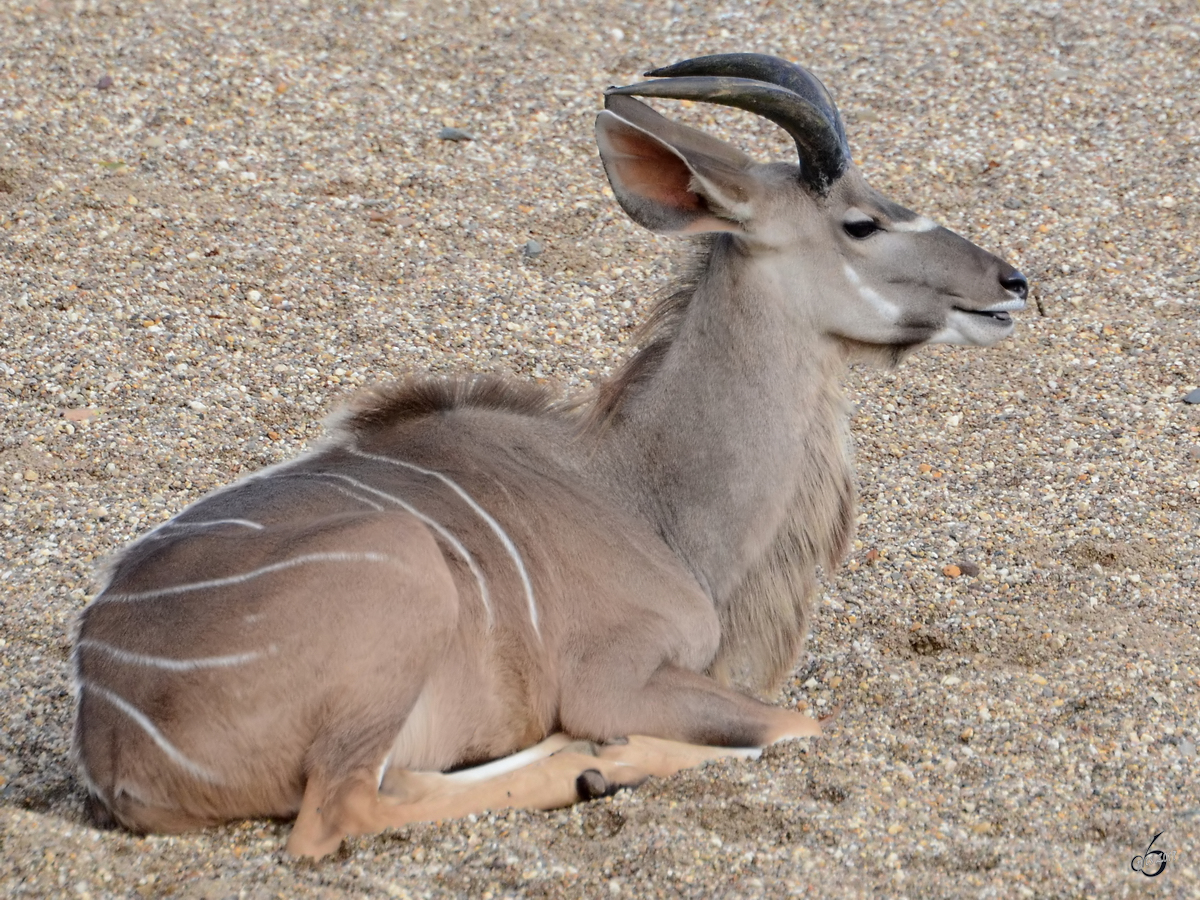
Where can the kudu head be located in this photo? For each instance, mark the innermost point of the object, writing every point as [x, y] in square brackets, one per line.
[862, 270]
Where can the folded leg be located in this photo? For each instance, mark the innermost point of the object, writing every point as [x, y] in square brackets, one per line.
[547, 778]
[678, 705]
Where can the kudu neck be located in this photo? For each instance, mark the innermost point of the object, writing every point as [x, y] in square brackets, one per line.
[712, 446]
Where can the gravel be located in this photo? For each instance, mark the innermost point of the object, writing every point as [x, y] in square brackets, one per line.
[455, 134]
[218, 220]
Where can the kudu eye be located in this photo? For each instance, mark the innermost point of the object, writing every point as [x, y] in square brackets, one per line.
[861, 228]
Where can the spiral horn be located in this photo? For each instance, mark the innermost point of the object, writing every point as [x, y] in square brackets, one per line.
[786, 94]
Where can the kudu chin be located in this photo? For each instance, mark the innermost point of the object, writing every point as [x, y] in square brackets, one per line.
[472, 596]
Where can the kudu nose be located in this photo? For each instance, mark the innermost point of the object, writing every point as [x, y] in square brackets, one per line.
[1015, 282]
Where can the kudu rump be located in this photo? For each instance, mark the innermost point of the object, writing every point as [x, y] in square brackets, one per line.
[584, 594]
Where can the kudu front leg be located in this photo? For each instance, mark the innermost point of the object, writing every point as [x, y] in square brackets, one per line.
[680, 719]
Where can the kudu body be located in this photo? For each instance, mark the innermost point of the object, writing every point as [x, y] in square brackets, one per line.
[466, 569]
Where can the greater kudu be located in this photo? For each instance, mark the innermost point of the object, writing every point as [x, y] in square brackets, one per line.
[466, 567]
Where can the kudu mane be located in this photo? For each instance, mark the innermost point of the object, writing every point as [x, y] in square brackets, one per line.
[654, 338]
[416, 397]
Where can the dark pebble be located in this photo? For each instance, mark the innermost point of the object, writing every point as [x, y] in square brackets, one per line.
[1193, 397]
[1013, 203]
[532, 249]
[105, 82]
[967, 568]
[455, 134]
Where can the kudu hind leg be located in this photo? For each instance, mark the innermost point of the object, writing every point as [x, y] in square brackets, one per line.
[361, 805]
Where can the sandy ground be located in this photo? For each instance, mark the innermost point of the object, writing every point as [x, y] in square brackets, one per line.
[216, 220]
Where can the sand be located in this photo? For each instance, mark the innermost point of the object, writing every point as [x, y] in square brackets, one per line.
[218, 220]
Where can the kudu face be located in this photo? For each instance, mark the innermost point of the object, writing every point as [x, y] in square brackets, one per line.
[857, 267]
[910, 281]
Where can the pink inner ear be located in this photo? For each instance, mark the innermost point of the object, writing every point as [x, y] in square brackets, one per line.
[648, 169]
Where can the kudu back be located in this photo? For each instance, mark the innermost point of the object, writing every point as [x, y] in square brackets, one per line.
[473, 596]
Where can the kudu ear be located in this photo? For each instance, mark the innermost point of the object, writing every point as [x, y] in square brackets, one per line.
[670, 178]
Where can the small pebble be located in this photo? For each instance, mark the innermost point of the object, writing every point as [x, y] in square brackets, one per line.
[533, 249]
[1192, 396]
[455, 134]
[104, 83]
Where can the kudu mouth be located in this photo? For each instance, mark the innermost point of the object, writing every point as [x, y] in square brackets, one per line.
[998, 312]
[1001, 317]
[979, 327]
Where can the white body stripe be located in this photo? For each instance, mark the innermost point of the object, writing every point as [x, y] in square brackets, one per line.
[455, 544]
[885, 307]
[505, 540]
[173, 522]
[518, 760]
[549, 747]
[244, 523]
[366, 501]
[353, 495]
[173, 665]
[383, 767]
[147, 726]
[302, 560]
[920, 223]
